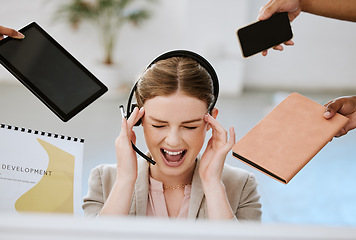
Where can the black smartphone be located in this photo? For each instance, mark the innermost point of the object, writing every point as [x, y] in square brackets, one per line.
[262, 35]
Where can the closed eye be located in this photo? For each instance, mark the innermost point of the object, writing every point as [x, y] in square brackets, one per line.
[190, 127]
[158, 126]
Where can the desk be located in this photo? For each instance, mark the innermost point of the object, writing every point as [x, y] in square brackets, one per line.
[59, 227]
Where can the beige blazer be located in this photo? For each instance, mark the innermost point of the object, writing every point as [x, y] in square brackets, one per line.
[239, 184]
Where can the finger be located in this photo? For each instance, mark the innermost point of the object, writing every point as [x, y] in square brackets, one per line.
[278, 47]
[268, 11]
[141, 113]
[326, 104]
[218, 131]
[135, 116]
[133, 137]
[342, 132]
[327, 114]
[10, 32]
[232, 139]
[124, 131]
[126, 134]
[214, 123]
[209, 144]
[331, 108]
[230, 143]
[265, 6]
[131, 119]
[262, 9]
[289, 43]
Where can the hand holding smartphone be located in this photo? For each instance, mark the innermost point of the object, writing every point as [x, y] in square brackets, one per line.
[262, 35]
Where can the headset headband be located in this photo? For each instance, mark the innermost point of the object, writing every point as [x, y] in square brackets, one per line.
[181, 53]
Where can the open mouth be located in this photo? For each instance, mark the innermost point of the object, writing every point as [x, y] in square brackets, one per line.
[173, 158]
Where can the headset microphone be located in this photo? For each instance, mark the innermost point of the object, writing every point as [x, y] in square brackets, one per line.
[176, 53]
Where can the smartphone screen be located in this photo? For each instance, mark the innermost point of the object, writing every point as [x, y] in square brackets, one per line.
[262, 35]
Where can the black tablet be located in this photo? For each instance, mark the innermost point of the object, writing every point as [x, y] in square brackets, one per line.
[50, 72]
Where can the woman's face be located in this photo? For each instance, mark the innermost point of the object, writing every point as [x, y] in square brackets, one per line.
[174, 130]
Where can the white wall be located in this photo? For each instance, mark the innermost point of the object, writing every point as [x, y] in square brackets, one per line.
[205, 26]
[323, 57]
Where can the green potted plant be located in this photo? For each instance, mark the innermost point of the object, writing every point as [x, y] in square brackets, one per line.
[108, 16]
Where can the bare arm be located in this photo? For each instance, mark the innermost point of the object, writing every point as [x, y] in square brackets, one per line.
[341, 9]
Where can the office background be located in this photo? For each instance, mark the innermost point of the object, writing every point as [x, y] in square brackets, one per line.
[321, 66]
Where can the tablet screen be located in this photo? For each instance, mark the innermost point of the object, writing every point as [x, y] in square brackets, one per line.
[50, 72]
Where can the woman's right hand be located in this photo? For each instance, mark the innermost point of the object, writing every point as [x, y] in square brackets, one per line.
[119, 199]
[125, 155]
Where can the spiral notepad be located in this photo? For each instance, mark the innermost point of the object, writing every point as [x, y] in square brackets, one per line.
[39, 171]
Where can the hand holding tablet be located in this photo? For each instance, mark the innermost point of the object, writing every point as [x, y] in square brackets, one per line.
[50, 72]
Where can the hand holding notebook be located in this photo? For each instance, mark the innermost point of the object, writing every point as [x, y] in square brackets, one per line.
[284, 141]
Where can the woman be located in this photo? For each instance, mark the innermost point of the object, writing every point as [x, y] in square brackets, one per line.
[175, 97]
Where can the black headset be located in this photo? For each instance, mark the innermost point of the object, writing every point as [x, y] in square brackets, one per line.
[175, 53]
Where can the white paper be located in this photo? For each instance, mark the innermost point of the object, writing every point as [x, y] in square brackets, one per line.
[39, 173]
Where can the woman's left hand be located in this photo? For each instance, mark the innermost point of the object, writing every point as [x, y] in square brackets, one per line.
[213, 159]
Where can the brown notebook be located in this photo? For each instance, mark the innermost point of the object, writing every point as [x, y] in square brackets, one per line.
[284, 141]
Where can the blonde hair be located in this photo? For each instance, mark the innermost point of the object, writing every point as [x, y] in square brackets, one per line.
[174, 74]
